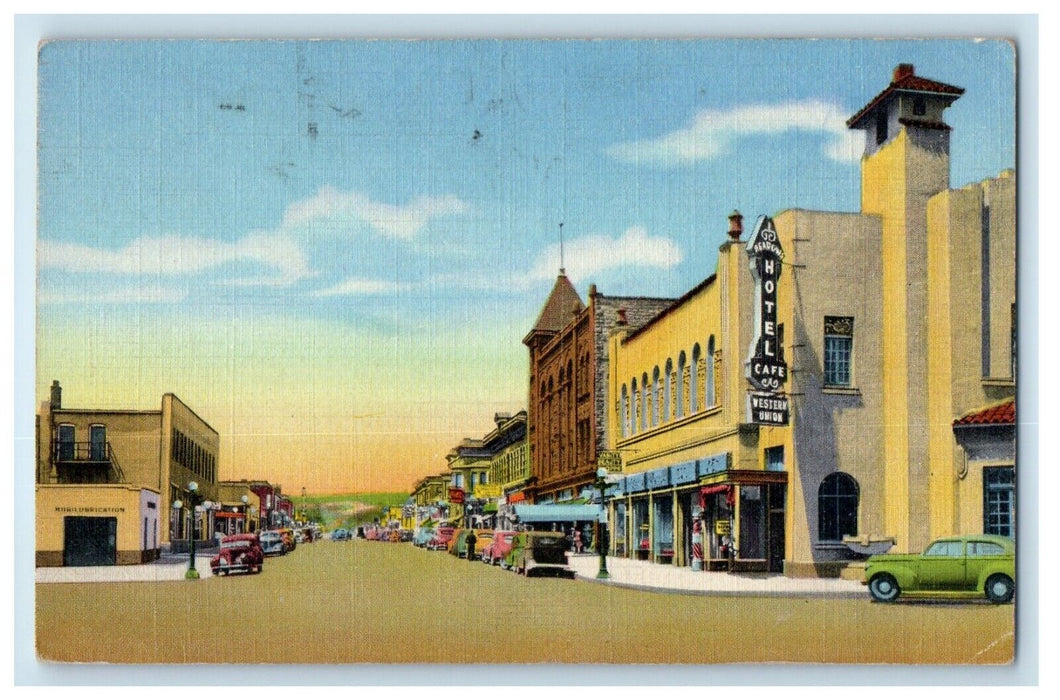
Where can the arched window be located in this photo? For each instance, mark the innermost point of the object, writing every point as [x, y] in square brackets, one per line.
[681, 390]
[655, 386]
[645, 409]
[693, 389]
[634, 409]
[668, 391]
[837, 507]
[623, 413]
[712, 399]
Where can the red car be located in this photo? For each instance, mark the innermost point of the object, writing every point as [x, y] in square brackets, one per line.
[441, 538]
[498, 547]
[238, 553]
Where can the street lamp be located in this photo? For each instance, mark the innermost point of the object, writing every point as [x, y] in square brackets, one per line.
[601, 484]
[193, 495]
[246, 514]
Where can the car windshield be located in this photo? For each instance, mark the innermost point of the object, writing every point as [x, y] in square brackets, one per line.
[508, 539]
[269, 537]
[235, 544]
[946, 548]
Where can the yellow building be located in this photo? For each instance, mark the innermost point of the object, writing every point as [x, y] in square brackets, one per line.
[107, 479]
[891, 326]
[469, 464]
[239, 508]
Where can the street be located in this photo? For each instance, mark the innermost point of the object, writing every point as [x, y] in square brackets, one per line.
[377, 602]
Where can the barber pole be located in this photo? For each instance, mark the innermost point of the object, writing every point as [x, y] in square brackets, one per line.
[697, 545]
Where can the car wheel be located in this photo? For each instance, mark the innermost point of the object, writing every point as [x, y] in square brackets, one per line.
[884, 588]
[1000, 588]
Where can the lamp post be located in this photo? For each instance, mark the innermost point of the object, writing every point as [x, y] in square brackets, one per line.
[246, 514]
[193, 489]
[601, 483]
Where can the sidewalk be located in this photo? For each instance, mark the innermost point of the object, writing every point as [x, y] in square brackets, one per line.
[628, 573]
[171, 567]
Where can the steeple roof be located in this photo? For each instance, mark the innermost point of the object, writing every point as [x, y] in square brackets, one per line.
[557, 311]
[906, 80]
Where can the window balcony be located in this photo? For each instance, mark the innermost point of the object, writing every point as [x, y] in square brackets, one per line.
[86, 463]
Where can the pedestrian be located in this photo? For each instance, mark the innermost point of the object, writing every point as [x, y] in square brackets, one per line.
[471, 540]
[577, 542]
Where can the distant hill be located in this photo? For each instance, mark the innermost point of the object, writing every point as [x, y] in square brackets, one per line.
[347, 509]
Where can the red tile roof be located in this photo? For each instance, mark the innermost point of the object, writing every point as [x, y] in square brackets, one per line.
[1002, 414]
[905, 80]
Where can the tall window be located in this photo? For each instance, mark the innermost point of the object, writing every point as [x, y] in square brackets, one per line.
[693, 390]
[645, 408]
[66, 442]
[668, 391]
[837, 507]
[681, 391]
[711, 399]
[97, 443]
[623, 413]
[635, 409]
[838, 346]
[999, 513]
[655, 397]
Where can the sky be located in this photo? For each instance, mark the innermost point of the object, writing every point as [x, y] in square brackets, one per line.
[331, 250]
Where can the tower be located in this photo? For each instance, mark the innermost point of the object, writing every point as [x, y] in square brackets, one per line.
[906, 162]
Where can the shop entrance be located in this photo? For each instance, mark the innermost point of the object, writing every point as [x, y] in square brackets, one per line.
[90, 541]
[777, 494]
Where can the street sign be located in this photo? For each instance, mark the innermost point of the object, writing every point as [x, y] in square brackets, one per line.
[766, 368]
[456, 495]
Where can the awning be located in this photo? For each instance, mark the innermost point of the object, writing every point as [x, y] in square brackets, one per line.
[223, 514]
[555, 513]
[720, 488]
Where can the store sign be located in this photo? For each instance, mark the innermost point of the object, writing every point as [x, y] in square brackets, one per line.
[722, 527]
[456, 495]
[767, 409]
[488, 491]
[766, 368]
[611, 460]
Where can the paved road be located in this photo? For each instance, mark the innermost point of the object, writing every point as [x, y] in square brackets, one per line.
[374, 602]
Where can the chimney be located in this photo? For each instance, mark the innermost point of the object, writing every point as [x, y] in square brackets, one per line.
[901, 71]
[57, 395]
[735, 225]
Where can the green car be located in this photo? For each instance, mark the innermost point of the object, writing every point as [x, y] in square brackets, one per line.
[971, 565]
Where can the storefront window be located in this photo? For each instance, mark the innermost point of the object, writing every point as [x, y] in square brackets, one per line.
[620, 528]
[640, 526]
[664, 527]
[718, 517]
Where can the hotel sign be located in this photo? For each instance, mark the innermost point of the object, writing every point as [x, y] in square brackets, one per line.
[766, 369]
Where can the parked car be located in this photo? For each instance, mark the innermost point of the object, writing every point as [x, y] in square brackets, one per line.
[272, 543]
[288, 539]
[395, 536]
[406, 535]
[498, 547]
[541, 554]
[456, 543]
[967, 566]
[423, 536]
[340, 535]
[239, 553]
[441, 538]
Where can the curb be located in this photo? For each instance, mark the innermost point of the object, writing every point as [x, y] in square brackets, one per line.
[721, 594]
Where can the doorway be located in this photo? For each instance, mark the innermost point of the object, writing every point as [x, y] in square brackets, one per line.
[777, 495]
[90, 541]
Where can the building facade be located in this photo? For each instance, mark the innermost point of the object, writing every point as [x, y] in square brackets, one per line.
[895, 328]
[567, 416]
[95, 465]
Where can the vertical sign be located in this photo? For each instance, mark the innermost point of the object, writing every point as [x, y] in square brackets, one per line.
[766, 369]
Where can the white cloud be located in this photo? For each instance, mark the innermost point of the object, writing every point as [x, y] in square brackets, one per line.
[135, 294]
[403, 222]
[171, 255]
[590, 255]
[359, 286]
[713, 132]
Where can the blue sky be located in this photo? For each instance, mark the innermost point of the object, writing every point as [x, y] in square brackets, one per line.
[335, 239]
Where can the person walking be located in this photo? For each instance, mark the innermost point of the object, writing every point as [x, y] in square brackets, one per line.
[577, 542]
[471, 540]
